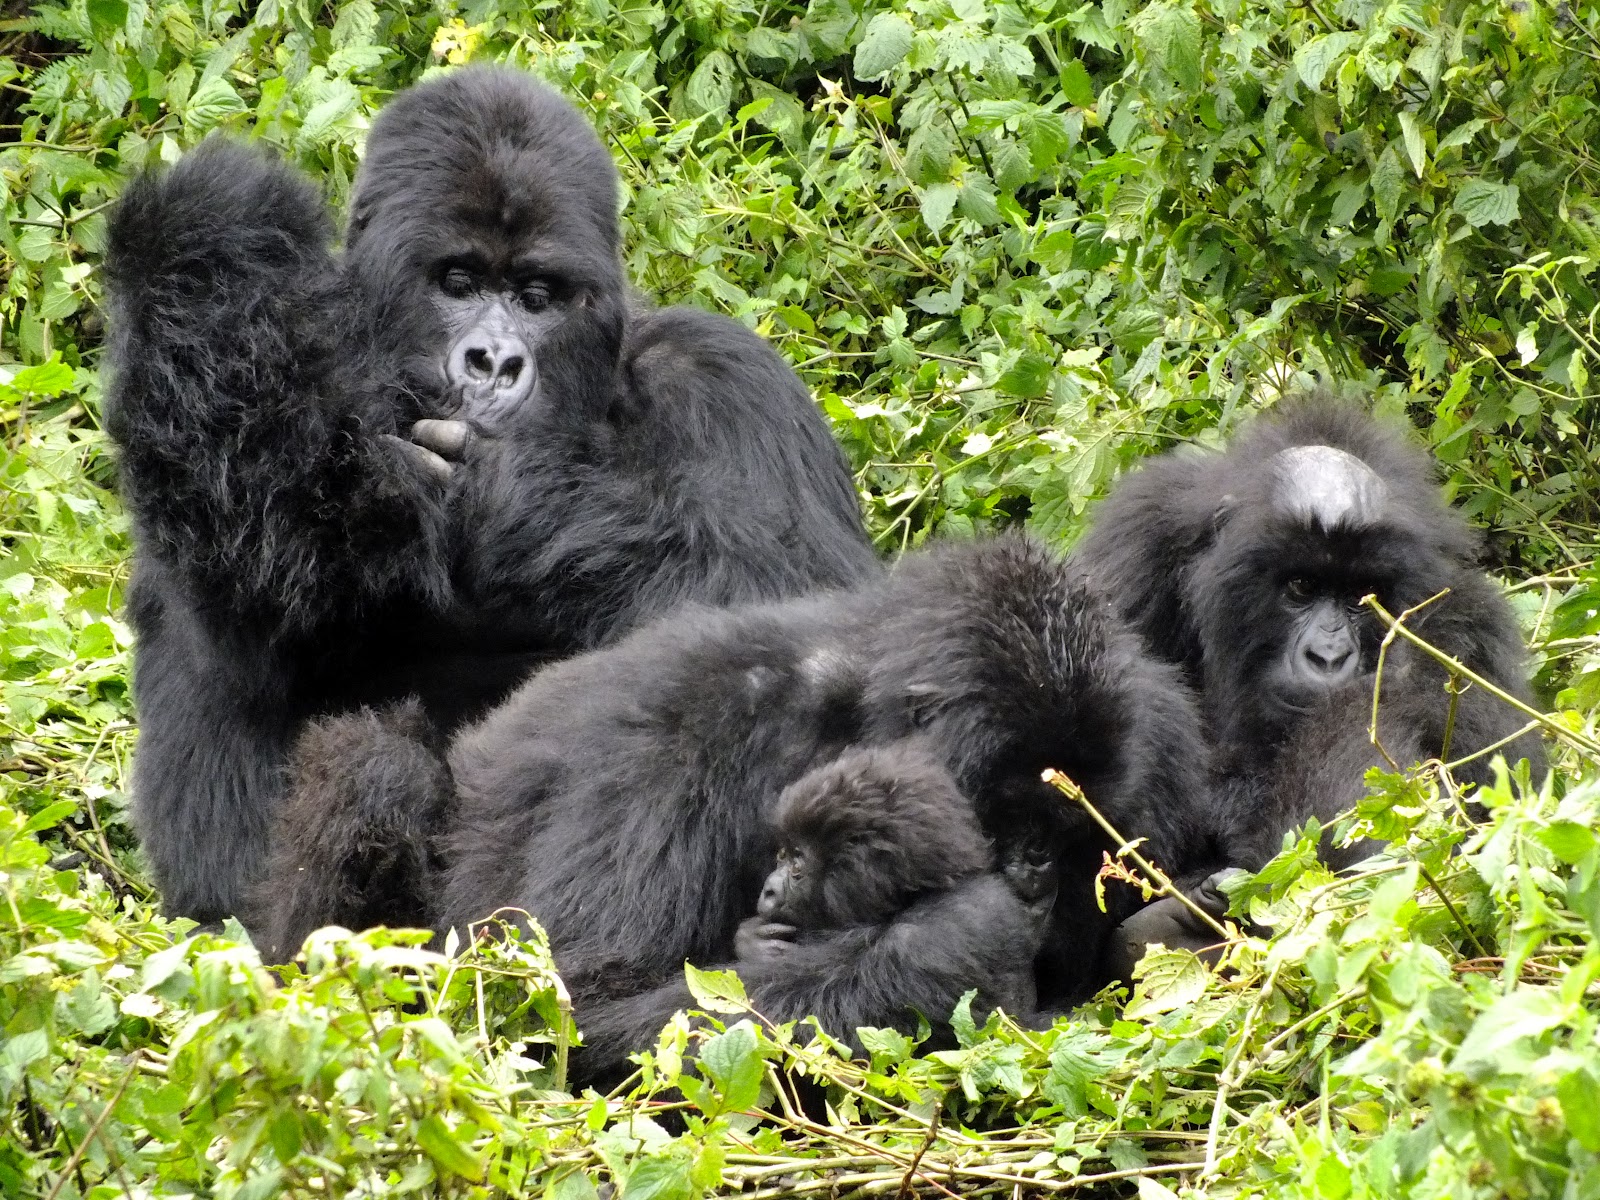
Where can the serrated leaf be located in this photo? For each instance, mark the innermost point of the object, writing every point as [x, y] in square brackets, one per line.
[1164, 980]
[1171, 35]
[1484, 203]
[43, 379]
[1388, 183]
[1313, 60]
[1416, 151]
[716, 991]
[710, 88]
[887, 41]
[733, 1061]
[213, 102]
[1076, 84]
[1029, 376]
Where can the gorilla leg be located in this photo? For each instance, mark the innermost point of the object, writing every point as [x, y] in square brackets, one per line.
[353, 842]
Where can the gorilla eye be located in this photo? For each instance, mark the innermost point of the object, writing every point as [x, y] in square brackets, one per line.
[1300, 588]
[534, 296]
[457, 282]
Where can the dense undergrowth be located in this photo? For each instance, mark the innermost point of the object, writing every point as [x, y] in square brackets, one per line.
[1012, 247]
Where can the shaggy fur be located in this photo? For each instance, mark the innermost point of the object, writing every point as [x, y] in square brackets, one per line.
[298, 555]
[1204, 558]
[625, 798]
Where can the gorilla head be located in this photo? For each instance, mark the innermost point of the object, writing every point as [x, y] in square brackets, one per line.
[492, 196]
[859, 837]
[1302, 532]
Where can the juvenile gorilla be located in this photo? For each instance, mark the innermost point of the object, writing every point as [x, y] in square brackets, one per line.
[458, 451]
[1247, 569]
[873, 843]
[624, 798]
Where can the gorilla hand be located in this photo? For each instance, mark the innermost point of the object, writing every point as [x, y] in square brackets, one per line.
[761, 940]
[1173, 924]
[435, 446]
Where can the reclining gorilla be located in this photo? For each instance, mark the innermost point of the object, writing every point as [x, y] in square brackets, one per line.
[624, 797]
[1247, 569]
[459, 451]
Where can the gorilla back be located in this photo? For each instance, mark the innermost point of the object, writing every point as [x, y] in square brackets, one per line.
[624, 797]
[457, 452]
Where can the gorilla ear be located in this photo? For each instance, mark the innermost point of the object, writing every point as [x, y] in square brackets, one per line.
[1223, 512]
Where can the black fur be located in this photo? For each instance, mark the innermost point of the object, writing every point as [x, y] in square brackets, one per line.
[303, 551]
[1204, 557]
[624, 798]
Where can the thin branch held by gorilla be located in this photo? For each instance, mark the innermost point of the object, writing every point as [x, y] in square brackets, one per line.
[420, 469]
[625, 798]
[1247, 569]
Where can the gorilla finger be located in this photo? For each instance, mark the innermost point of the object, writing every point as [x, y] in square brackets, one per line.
[422, 458]
[446, 438]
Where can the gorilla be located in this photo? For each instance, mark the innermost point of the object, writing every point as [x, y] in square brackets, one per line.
[1246, 569]
[460, 449]
[878, 841]
[625, 798]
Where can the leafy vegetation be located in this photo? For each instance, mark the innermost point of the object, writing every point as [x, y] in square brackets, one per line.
[1012, 247]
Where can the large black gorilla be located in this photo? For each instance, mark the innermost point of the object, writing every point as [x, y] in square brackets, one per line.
[624, 797]
[1247, 570]
[458, 451]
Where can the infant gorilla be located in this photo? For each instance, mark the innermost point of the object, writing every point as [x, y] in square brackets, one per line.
[878, 840]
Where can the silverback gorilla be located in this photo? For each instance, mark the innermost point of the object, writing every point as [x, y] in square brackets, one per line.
[419, 469]
[1247, 570]
[624, 798]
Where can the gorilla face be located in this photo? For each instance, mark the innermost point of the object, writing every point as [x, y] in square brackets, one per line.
[484, 227]
[1298, 544]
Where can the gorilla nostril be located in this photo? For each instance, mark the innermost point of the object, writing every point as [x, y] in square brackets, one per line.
[479, 363]
[510, 370]
[1329, 662]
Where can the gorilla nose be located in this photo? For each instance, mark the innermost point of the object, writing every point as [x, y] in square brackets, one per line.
[1330, 655]
[492, 371]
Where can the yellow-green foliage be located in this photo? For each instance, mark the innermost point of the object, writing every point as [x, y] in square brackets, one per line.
[1012, 247]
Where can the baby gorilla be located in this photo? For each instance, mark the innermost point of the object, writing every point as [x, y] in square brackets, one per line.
[876, 840]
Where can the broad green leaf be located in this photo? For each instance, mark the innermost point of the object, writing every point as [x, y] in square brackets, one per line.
[1312, 60]
[716, 991]
[733, 1062]
[710, 89]
[886, 43]
[1411, 134]
[213, 102]
[937, 202]
[1164, 980]
[662, 1177]
[1076, 84]
[1171, 34]
[1484, 203]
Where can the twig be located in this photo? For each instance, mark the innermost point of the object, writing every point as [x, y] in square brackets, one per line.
[1165, 886]
[916, 1159]
[1383, 658]
[1456, 667]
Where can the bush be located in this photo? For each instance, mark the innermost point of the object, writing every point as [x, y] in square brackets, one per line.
[1012, 248]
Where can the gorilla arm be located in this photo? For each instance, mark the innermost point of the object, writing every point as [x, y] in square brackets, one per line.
[250, 415]
[977, 935]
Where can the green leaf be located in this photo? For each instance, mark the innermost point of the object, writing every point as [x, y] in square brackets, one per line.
[1171, 35]
[1579, 1095]
[1312, 60]
[1164, 980]
[937, 202]
[887, 41]
[1412, 136]
[439, 1142]
[1076, 84]
[733, 1061]
[213, 102]
[42, 379]
[1029, 377]
[716, 991]
[1484, 203]
[1388, 182]
[710, 88]
[659, 1178]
